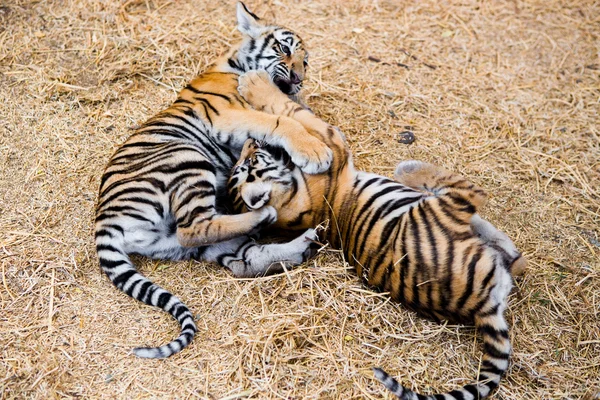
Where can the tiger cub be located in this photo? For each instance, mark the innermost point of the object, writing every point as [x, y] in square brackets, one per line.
[163, 192]
[417, 237]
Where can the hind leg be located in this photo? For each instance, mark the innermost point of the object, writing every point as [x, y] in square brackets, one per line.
[246, 258]
[427, 177]
[494, 237]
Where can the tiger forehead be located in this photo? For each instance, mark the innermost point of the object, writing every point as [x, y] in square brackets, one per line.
[289, 38]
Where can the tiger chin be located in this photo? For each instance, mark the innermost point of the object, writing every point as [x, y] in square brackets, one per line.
[417, 236]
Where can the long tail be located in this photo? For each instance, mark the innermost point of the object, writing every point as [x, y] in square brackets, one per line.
[120, 270]
[496, 352]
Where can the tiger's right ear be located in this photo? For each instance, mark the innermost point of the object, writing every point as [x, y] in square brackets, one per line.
[248, 23]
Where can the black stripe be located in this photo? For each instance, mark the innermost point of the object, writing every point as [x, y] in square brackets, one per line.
[492, 351]
[121, 279]
[457, 394]
[491, 385]
[139, 217]
[470, 278]
[493, 332]
[194, 195]
[202, 92]
[433, 269]
[131, 287]
[110, 264]
[160, 210]
[103, 232]
[109, 247]
[449, 211]
[403, 265]
[156, 183]
[249, 12]
[418, 264]
[129, 190]
[185, 165]
[117, 228]
[184, 177]
[198, 210]
[163, 299]
[233, 64]
[142, 293]
[491, 311]
[488, 366]
[207, 104]
[472, 389]
[206, 115]
[372, 199]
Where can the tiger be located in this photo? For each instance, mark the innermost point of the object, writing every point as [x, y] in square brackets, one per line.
[417, 236]
[163, 192]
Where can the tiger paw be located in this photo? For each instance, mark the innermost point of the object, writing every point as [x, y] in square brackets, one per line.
[257, 88]
[409, 167]
[312, 157]
[267, 216]
[307, 245]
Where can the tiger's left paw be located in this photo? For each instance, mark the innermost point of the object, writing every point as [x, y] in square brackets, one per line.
[257, 89]
[307, 244]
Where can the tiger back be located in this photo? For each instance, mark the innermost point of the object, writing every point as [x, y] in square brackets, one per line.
[418, 236]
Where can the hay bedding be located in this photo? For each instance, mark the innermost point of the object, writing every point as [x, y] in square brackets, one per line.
[507, 93]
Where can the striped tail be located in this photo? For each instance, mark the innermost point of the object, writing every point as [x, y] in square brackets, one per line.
[496, 352]
[117, 265]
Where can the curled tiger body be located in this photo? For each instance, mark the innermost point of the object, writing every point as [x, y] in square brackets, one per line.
[163, 192]
[417, 236]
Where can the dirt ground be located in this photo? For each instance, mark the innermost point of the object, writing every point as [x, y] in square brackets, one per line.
[505, 92]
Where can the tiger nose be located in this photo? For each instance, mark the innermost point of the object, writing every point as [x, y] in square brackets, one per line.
[295, 78]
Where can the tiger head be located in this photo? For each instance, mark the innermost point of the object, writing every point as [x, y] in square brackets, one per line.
[263, 175]
[272, 48]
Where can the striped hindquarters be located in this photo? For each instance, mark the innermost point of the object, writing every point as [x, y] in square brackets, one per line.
[434, 254]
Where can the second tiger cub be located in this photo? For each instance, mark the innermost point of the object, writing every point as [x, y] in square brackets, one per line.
[417, 237]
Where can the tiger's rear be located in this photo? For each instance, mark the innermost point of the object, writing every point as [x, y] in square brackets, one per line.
[456, 266]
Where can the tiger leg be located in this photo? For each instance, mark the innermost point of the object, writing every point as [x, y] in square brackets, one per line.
[500, 241]
[438, 181]
[257, 89]
[246, 258]
[306, 151]
[496, 353]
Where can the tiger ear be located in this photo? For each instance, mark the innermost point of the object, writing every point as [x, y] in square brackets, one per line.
[248, 23]
[256, 194]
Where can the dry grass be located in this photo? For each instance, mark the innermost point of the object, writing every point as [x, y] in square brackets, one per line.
[506, 92]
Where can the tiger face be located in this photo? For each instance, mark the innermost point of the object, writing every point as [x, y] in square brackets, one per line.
[272, 48]
[262, 175]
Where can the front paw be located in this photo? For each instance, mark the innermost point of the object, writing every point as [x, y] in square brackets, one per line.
[257, 88]
[308, 244]
[268, 216]
[314, 158]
